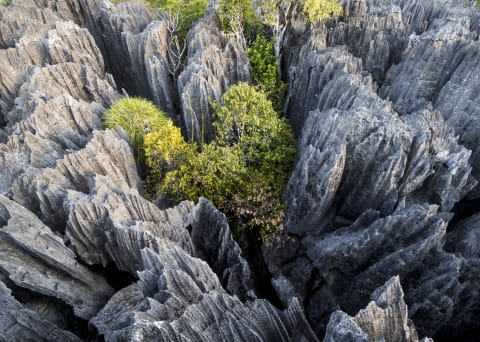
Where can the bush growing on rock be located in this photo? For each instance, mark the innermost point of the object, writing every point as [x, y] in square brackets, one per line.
[315, 10]
[136, 117]
[240, 15]
[261, 55]
[244, 170]
[247, 119]
[319, 10]
[183, 12]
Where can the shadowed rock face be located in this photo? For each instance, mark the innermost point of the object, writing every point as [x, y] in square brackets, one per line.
[72, 205]
[375, 182]
[383, 102]
[384, 319]
[18, 323]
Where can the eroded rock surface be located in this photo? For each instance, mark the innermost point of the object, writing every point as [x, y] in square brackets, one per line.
[384, 104]
[214, 63]
[368, 169]
[384, 319]
[18, 323]
[179, 297]
[72, 208]
[33, 257]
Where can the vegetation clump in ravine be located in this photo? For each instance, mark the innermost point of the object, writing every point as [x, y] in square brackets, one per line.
[244, 170]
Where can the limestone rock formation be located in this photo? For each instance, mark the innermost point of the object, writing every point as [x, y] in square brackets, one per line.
[213, 243]
[384, 103]
[75, 211]
[33, 257]
[18, 323]
[179, 297]
[136, 48]
[384, 319]
[214, 63]
[365, 163]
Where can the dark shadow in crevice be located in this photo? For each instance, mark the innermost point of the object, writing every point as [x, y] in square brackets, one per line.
[463, 210]
[53, 310]
[251, 245]
[116, 278]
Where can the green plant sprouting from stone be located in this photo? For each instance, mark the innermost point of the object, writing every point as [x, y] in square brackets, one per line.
[244, 170]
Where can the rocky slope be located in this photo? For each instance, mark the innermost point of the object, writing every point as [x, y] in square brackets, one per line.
[384, 104]
[73, 218]
[385, 114]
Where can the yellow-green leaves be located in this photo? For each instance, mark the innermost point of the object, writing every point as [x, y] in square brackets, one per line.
[244, 170]
[320, 10]
[136, 117]
[261, 55]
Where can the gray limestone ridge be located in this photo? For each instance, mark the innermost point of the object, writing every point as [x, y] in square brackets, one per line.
[385, 103]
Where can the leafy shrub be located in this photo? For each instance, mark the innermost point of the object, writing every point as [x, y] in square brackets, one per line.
[319, 10]
[261, 55]
[217, 172]
[165, 148]
[136, 117]
[240, 15]
[267, 147]
[245, 169]
[247, 119]
[184, 12]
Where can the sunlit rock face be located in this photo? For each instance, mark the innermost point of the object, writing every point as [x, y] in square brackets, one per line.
[83, 253]
[384, 105]
[384, 319]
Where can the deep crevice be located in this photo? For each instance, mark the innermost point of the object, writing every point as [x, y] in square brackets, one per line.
[115, 277]
[53, 310]
[251, 245]
[463, 210]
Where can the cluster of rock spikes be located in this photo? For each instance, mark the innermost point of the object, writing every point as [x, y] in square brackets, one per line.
[382, 232]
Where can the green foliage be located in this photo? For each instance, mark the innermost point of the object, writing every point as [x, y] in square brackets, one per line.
[5, 2]
[136, 117]
[217, 172]
[247, 119]
[183, 12]
[240, 15]
[320, 10]
[165, 148]
[186, 12]
[261, 55]
[243, 171]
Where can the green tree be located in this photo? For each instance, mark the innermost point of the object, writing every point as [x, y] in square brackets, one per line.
[261, 55]
[183, 12]
[320, 10]
[247, 119]
[217, 173]
[237, 15]
[137, 117]
[244, 170]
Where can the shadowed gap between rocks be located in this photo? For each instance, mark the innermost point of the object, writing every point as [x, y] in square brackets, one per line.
[53, 310]
[251, 245]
